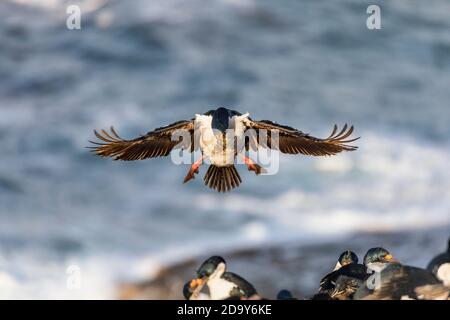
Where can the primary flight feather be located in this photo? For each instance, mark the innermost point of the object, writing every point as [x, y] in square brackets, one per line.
[208, 133]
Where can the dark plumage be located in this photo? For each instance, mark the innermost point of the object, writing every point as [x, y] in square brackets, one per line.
[187, 290]
[244, 289]
[321, 296]
[210, 265]
[377, 258]
[391, 280]
[285, 295]
[293, 141]
[207, 132]
[221, 283]
[344, 280]
[157, 143]
[377, 254]
[345, 258]
[343, 283]
[398, 281]
[222, 178]
[440, 266]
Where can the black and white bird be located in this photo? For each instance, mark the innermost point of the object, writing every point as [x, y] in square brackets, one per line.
[376, 259]
[440, 266]
[344, 280]
[346, 257]
[391, 280]
[222, 285]
[402, 282]
[209, 133]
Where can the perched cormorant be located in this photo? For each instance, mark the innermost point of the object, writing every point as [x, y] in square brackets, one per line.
[222, 285]
[397, 282]
[345, 258]
[346, 278]
[209, 133]
[391, 280]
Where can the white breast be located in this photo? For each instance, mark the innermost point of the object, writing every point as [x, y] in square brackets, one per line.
[238, 124]
[203, 134]
[200, 296]
[220, 289]
[443, 274]
[377, 266]
[211, 143]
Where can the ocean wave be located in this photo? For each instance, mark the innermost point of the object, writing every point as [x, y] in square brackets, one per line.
[139, 65]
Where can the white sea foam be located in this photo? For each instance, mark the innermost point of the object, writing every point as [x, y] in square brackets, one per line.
[389, 186]
[167, 60]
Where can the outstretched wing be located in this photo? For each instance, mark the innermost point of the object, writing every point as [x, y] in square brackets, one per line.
[157, 143]
[294, 141]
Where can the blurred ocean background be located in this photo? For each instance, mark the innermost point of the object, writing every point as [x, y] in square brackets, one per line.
[138, 65]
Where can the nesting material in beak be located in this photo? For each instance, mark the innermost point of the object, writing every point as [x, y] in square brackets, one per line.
[196, 283]
[196, 286]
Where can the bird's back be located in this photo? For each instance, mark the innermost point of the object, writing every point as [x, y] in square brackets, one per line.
[398, 281]
[243, 284]
[356, 271]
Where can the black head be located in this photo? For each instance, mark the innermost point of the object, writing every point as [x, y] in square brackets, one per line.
[187, 290]
[379, 255]
[347, 257]
[209, 266]
[285, 295]
[220, 119]
[243, 289]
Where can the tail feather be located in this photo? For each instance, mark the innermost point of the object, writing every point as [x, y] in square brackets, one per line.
[222, 179]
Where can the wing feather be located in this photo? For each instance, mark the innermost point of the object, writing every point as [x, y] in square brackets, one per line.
[156, 143]
[293, 141]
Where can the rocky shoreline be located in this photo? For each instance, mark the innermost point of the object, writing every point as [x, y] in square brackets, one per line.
[294, 266]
